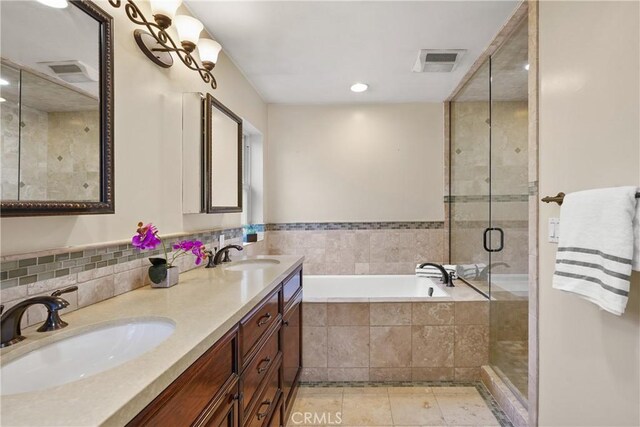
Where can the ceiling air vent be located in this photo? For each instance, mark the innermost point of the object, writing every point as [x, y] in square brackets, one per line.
[72, 71]
[437, 60]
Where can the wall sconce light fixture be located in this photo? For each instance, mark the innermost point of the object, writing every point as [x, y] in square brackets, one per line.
[158, 45]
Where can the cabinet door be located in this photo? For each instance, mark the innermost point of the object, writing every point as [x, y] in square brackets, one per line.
[291, 349]
[226, 414]
[185, 400]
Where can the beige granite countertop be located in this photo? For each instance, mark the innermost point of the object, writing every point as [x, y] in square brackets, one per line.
[204, 305]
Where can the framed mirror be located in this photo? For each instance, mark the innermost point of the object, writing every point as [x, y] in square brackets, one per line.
[56, 107]
[222, 158]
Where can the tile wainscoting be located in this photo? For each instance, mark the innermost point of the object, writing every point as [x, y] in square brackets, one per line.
[395, 341]
[100, 271]
[360, 247]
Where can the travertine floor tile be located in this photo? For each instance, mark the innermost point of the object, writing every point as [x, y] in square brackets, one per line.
[415, 409]
[315, 409]
[311, 391]
[365, 390]
[366, 410]
[391, 407]
[465, 410]
[408, 390]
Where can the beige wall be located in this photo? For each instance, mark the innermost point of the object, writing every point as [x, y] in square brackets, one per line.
[589, 137]
[355, 163]
[148, 138]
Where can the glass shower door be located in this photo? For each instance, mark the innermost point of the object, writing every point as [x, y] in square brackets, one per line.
[508, 274]
[470, 189]
[488, 206]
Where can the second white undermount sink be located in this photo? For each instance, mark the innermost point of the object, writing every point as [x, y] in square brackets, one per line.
[83, 355]
[251, 264]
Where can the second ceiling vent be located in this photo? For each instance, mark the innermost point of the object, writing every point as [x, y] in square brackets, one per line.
[437, 60]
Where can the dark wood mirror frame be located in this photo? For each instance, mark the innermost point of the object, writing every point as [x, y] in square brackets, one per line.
[209, 103]
[106, 205]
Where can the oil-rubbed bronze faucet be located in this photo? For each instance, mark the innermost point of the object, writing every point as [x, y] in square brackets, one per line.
[224, 252]
[10, 330]
[446, 278]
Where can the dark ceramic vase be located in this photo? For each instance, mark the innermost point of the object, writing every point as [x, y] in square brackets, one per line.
[158, 270]
[161, 275]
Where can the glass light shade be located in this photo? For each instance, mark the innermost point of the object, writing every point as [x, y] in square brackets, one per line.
[165, 7]
[188, 28]
[209, 50]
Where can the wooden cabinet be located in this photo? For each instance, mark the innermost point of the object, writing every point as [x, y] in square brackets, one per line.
[225, 414]
[246, 379]
[291, 350]
[198, 389]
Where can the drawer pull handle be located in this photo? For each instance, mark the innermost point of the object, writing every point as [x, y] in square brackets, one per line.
[266, 361]
[261, 415]
[264, 319]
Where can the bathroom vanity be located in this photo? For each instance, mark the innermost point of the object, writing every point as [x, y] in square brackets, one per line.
[233, 359]
[248, 377]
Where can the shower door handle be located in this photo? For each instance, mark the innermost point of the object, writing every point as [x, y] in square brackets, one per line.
[485, 240]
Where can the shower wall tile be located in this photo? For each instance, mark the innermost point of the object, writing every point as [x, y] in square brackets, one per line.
[352, 249]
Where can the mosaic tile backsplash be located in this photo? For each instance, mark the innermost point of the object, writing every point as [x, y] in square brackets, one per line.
[99, 272]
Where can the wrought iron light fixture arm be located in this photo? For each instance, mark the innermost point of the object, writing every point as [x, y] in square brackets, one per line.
[165, 42]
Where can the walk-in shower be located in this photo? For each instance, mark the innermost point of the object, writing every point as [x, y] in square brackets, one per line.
[488, 199]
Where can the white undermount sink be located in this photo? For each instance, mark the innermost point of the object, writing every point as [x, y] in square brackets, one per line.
[251, 264]
[83, 355]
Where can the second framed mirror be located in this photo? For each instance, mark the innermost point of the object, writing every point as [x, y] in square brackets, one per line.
[222, 158]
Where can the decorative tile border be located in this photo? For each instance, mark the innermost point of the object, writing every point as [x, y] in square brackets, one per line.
[496, 198]
[322, 226]
[482, 390]
[30, 269]
[515, 224]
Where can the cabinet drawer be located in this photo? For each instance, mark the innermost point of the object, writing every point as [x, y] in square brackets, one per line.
[257, 323]
[183, 402]
[268, 400]
[258, 368]
[290, 287]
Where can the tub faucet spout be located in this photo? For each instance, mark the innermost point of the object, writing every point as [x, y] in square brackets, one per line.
[446, 279]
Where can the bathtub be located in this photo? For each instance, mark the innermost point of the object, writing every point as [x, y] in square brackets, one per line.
[369, 286]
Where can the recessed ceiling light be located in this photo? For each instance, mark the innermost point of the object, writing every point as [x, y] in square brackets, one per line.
[526, 67]
[359, 87]
[3, 82]
[58, 4]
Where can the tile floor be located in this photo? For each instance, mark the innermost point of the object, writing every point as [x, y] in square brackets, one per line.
[512, 358]
[406, 404]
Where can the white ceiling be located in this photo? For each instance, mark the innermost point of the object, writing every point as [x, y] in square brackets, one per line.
[312, 51]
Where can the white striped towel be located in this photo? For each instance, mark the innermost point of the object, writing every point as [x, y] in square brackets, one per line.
[470, 271]
[636, 238]
[596, 246]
